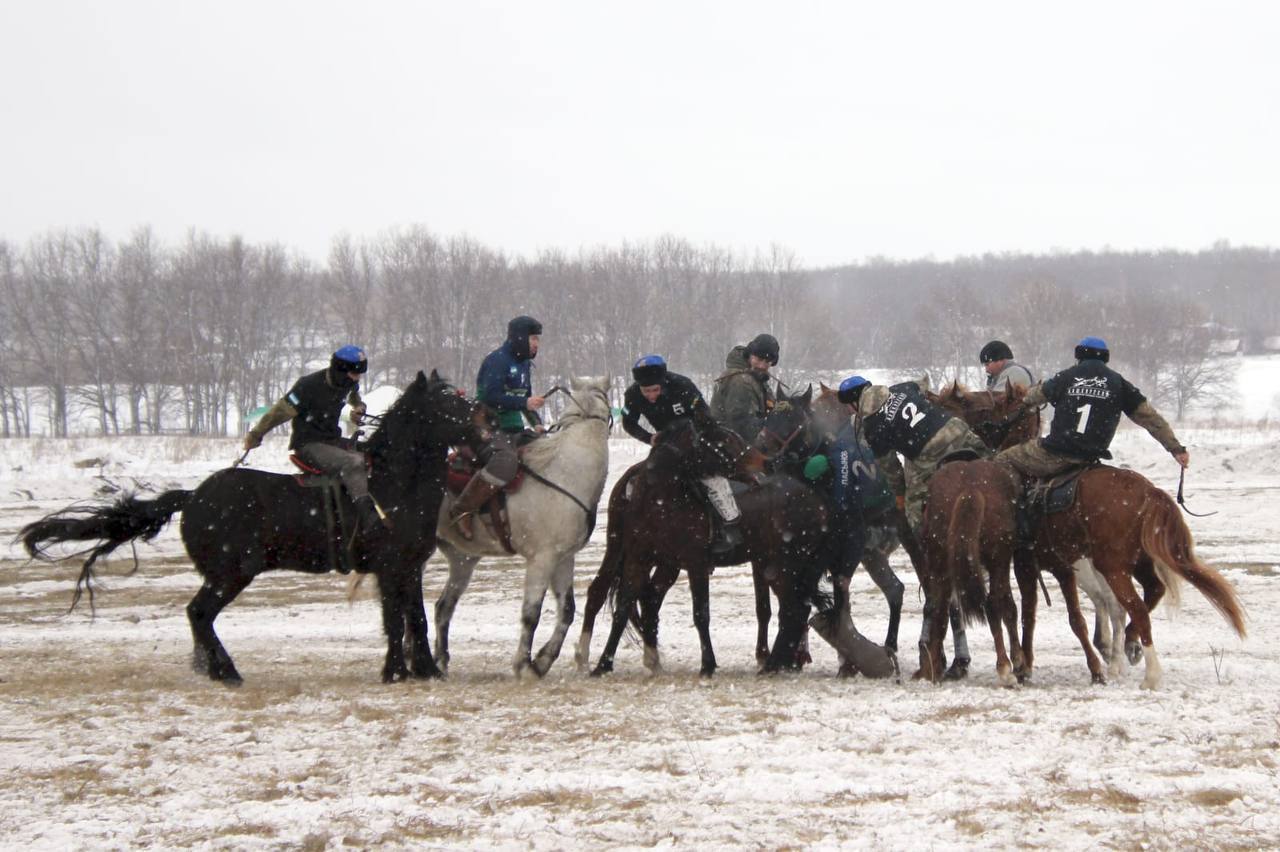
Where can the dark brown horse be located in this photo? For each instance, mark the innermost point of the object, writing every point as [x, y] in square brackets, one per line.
[239, 523]
[659, 525]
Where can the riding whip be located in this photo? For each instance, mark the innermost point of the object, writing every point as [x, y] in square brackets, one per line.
[1182, 475]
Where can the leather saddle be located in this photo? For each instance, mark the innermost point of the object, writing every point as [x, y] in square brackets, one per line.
[340, 525]
[462, 465]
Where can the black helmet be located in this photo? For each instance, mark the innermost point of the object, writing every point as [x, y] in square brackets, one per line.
[518, 332]
[349, 359]
[996, 350]
[764, 346]
[649, 370]
[1093, 349]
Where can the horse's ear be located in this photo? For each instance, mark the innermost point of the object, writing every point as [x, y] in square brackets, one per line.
[435, 376]
[953, 390]
[823, 387]
[421, 379]
[806, 397]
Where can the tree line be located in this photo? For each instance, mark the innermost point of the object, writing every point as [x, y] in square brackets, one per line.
[155, 338]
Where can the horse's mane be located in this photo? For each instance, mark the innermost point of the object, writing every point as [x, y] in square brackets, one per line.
[402, 411]
[540, 452]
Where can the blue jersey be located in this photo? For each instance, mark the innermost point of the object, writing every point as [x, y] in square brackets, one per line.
[857, 484]
[505, 384]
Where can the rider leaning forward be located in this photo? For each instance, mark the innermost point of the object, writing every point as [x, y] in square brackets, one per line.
[663, 398]
[314, 405]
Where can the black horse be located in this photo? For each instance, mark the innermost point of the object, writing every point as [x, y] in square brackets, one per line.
[239, 523]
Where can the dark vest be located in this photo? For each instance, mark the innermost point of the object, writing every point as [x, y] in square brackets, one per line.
[678, 400]
[1088, 400]
[319, 406]
[905, 423]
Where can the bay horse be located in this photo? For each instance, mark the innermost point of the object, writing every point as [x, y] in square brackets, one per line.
[1125, 526]
[658, 526]
[551, 516]
[239, 523]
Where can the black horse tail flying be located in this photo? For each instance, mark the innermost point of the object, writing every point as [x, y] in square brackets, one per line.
[110, 525]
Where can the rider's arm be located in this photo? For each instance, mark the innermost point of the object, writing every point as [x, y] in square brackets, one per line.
[1148, 418]
[631, 422]
[891, 467]
[281, 412]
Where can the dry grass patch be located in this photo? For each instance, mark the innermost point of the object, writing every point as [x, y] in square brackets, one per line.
[966, 824]
[1215, 797]
[853, 798]
[1106, 797]
[954, 713]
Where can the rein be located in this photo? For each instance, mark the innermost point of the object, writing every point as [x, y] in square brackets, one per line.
[783, 443]
[555, 389]
[1182, 504]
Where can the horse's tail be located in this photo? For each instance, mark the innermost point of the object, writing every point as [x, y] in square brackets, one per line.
[1166, 539]
[110, 525]
[964, 560]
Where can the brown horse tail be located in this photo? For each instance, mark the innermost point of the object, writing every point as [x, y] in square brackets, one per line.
[110, 525]
[1166, 539]
[964, 562]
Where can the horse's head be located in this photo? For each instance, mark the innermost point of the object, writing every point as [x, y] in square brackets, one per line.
[830, 415]
[701, 446]
[589, 399]
[997, 417]
[785, 423]
[430, 414]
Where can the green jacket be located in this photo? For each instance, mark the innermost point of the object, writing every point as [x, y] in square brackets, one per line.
[741, 398]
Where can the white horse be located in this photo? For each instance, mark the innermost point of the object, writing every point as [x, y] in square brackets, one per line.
[549, 525]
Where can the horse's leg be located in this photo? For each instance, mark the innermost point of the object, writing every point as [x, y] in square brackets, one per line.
[423, 664]
[392, 593]
[764, 610]
[597, 594]
[663, 578]
[1116, 573]
[1028, 576]
[1066, 577]
[537, 577]
[877, 564]
[209, 656]
[793, 614]
[700, 590]
[635, 575]
[1152, 591]
[959, 668]
[562, 588]
[461, 568]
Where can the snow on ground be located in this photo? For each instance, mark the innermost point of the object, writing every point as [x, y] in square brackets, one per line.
[108, 739]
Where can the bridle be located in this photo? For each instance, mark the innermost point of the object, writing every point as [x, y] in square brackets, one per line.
[555, 389]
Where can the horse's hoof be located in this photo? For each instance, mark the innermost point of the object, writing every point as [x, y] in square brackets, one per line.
[1133, 651]
[847, 670]
[707, 672]
[234, 681]
[601, 670]
[540, 666]
[428, 674]
[1099, 679]
[958, 670]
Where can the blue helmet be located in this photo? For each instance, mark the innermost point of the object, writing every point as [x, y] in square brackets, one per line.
[1093, 349]
[649, 370]
[851, 388]
[349, 359]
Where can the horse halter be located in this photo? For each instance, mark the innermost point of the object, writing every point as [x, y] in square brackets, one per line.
[783, 443]
[555, 389]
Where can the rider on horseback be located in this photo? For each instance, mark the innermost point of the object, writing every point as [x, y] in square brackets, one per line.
[314, 405]
[504, 384]
[663, 398]
[899, 419]
[1088, 400]
[1002, 370]
[742, 398]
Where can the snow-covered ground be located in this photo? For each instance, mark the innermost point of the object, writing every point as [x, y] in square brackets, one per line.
[108, 739]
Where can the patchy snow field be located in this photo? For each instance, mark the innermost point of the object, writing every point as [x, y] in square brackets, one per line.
[108, 739]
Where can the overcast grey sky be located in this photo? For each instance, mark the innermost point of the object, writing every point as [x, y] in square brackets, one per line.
[840, 130]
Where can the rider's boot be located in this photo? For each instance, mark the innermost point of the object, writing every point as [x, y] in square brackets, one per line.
[475, 495]
[370, 518]
[728, 537]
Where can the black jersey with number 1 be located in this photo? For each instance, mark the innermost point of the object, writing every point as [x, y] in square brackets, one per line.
[1088, 400]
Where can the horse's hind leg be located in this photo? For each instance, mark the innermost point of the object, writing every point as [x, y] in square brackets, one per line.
[1116, 573]
[537, 577]
[597, 594]
[562, 588]
[209, 656]
[423, 663]
[1066, 576]
[461, 568]
[700, 590]
[959, 668]
[764, 611]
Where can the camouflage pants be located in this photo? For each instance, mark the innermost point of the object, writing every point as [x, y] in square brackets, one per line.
[1033, 461]
[952, 437]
